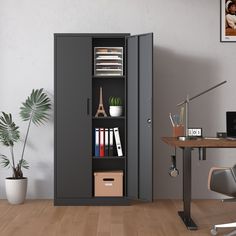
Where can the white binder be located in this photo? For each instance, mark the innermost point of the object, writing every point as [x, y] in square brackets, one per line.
[110, 142]
[118, 143]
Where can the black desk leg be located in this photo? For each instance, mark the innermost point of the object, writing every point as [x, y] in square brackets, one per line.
[186, 215]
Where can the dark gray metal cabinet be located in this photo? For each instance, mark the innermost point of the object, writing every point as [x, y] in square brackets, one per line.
[76, 96]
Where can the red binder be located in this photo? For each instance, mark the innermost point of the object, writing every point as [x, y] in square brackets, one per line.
[101, 142]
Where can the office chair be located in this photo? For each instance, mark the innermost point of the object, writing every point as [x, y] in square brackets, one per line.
[223, 180]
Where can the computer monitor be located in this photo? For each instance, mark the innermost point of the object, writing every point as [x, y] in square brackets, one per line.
[231, 124]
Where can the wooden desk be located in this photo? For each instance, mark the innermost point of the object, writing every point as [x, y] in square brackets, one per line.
[187, 147]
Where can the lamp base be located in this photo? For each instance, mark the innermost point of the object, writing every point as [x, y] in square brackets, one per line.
[185, 138]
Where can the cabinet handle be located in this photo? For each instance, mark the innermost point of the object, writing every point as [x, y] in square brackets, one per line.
[149, 121]
[88, 108]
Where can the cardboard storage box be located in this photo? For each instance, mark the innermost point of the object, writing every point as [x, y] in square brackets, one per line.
[108, 184]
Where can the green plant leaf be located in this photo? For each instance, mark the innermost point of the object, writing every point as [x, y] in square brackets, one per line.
[115, 101]
[9, 132]
[118, 101]
[36, 107]
[5, 162]
[111, 101]
[23, 163]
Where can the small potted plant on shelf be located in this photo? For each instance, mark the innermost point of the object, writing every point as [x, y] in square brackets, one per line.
[34, 110]
[115, 106]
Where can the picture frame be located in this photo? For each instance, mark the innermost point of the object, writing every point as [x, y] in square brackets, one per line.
[228, 20]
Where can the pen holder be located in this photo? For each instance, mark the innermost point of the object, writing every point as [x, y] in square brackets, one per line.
[178, 131]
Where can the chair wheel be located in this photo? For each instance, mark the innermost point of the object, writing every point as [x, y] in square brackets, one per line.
[213, 231]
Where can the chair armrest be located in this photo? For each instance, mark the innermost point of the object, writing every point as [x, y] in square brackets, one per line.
[210, 174]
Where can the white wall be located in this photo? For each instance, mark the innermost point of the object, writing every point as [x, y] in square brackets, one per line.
[188, 58]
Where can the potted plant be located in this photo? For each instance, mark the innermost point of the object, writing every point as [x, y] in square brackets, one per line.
[33, 110]
[115, 106]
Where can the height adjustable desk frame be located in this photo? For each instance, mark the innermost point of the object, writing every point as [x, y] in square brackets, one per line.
[187, 147]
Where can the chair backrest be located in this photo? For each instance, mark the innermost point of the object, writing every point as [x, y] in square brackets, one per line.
[233, 169]
[223, 180]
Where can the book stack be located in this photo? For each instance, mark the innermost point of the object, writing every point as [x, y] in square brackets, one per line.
[104, 142]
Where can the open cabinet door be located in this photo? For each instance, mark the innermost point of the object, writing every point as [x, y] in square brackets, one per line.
[132, 118]
[139, 112]
[145, 117]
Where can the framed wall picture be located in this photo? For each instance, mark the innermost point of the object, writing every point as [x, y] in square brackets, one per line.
[228, 20]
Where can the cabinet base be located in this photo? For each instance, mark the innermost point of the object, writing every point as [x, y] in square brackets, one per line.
[94, 201]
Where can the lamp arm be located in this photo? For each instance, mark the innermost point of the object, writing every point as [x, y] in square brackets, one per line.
[198, 95]
[187, 100]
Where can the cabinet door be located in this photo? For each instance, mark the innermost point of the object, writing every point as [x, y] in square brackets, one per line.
[73, 147]
[139, 110]
[133, 119]
[145, 117]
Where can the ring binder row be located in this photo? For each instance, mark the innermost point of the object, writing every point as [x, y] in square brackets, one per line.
[104, 142]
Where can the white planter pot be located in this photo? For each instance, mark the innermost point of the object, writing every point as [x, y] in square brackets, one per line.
[115, 110]
[16, 190]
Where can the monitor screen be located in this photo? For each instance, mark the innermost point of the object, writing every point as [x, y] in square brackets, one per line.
[231, 123]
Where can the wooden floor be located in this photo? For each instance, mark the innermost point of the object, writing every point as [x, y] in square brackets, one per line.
[40, 217]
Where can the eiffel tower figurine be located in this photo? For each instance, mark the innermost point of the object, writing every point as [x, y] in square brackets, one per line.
[101, 109]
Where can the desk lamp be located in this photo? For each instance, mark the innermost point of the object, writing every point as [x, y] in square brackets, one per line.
[186, 103]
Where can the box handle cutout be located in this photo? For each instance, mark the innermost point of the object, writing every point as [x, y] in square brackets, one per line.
[108, 179]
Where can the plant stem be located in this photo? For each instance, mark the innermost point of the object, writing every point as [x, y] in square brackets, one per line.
[26, 137]
[12, 156]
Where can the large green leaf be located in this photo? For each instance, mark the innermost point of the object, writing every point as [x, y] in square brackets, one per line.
[5, 162]
[9, 132]
[36, 107]
[23, 163]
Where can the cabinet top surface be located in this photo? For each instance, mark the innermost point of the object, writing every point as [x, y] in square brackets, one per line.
[200, 142]
[112, 35]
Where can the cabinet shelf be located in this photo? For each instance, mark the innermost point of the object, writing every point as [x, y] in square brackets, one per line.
[108, 118]
[109, 77]
[108, 158]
